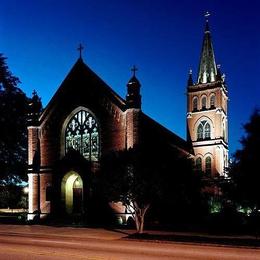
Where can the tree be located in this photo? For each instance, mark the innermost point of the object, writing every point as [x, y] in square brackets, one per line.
[244, 171]
[14, 108]
[138, 178]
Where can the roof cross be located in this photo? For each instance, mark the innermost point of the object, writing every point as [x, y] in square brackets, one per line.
[134, 69]
[80, 48]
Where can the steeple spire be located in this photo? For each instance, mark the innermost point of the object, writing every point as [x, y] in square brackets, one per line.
[207, 67]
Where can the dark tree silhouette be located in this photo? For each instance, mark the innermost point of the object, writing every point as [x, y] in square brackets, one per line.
[13, 127]
[138, 178]
[244, 171]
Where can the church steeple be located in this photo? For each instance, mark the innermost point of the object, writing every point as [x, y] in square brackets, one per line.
[207, 67]
[133, 97]
[207, 106]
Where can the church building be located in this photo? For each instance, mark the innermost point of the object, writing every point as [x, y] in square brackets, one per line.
[85, 115]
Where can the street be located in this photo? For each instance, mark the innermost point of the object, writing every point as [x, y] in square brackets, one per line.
[44, 242]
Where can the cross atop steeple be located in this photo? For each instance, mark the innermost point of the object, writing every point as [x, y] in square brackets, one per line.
[134, 69]
[80, 48]
[207, 14]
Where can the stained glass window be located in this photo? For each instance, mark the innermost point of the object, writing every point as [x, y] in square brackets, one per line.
[82, 135]
[203, 130]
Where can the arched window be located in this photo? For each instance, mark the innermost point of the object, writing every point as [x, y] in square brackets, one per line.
[212, 101]
[199, 164]
[200, 132]
[82, 135]
[207, 131]
[195, 104]
[203, 130]
[203, 103]
[208, 165]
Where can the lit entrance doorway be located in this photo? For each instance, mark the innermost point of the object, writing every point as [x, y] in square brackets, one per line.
[72, 193]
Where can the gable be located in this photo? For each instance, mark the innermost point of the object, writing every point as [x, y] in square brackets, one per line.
[81, 85]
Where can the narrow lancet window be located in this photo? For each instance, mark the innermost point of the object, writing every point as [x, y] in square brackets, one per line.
[212, 101]
[208, 165]
[199, 164]
[195, 104]
[203, 103]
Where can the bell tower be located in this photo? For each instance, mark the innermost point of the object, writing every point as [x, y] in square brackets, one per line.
[207, 119]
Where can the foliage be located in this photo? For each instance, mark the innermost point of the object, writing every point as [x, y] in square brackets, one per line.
[244, 171]
[13, 139]
[14, 109]
[140, 178]
[10, 196]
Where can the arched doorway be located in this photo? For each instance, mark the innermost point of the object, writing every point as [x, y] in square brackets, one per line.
[72, 193]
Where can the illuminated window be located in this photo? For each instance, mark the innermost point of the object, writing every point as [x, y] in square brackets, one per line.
[199, 164]
[200, 132]
[203, 130]
[82, 135]
[208, 165]
[207, 131]
[195, 104]
[212, 101]
[203, 103]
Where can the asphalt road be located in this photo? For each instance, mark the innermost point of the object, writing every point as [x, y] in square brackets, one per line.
[41, 242]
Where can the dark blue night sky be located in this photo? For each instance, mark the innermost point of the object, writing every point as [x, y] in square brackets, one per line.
[162, 38]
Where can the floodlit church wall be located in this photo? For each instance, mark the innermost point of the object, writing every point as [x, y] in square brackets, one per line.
[45, 181]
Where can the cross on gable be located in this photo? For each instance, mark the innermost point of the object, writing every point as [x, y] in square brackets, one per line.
[80, 48]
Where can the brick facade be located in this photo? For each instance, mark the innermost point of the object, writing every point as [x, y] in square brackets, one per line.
[118, 123]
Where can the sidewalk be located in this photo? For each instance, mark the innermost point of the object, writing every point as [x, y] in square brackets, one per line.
[199, 238]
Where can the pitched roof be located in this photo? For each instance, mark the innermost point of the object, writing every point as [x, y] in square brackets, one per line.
[152, 130]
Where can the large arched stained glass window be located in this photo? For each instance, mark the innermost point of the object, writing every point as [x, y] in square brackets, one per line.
[82, 135]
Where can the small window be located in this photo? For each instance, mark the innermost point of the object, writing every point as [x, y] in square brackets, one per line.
[212, 101]
[207, 131]
[195, 104]
[208, 165]
[203, 103]
[198, 164]
[200, 132]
